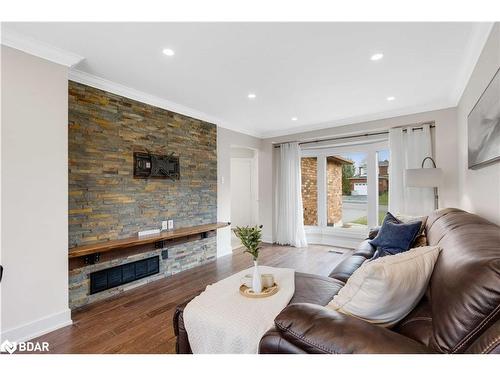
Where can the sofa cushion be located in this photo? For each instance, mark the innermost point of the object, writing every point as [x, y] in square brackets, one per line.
[365, 249]
[465, 284]
[315, 289]
[417, 325]
[346, 268]
[385, 290]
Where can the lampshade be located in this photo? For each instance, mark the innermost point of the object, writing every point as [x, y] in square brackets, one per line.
[423, 177]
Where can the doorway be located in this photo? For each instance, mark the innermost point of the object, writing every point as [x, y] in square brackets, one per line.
[244, 190]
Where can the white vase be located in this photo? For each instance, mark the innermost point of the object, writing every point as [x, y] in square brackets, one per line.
[256, 280]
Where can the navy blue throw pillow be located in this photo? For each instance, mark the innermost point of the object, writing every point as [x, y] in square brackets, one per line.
[391, 219]
[394, 236]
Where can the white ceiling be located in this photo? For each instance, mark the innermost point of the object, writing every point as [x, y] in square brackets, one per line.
[320, 73]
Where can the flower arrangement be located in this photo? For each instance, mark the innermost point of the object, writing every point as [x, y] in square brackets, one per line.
[250, 238]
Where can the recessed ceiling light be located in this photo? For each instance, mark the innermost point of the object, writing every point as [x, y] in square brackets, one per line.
[377, 56]
[168, 52]
[294, 118]
[390, 98]
[252, 96]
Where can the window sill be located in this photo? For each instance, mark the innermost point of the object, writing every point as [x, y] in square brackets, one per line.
[342, 237]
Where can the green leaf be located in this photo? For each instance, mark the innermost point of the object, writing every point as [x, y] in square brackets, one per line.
[250, 238]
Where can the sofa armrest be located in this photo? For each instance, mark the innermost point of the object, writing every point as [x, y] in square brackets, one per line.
[178, 318]
[273, 343]
[182, 345]
[488, 342]
[317, 329]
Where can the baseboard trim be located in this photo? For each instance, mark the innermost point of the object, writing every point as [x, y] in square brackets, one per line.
[225, 250]
[267, 239]
[38, 327]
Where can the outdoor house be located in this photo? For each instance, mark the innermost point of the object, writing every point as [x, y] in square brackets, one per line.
[358, 182]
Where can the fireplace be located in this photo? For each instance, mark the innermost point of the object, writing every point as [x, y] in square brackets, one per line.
[123, 274]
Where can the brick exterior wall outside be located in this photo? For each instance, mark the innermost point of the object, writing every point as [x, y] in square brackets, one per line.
[334, 191]
[106, 202]
[383, 170]
[309, 171]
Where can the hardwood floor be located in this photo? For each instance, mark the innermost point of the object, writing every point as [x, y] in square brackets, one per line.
[140, 320]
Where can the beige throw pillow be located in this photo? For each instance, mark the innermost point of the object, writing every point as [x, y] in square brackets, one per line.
[411, 219]
[385, 290]
[421, 239]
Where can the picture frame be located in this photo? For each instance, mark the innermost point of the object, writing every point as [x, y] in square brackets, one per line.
[483, 127]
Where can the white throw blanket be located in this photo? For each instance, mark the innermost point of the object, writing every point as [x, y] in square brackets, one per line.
[221, 320]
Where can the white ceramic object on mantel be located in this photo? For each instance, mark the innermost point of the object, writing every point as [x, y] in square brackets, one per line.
[247, 281]
[267, 280]
[256, 280]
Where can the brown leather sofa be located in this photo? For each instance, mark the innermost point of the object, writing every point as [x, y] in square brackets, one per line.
[459, 313]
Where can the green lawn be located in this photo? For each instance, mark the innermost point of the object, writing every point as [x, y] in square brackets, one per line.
[364, 220]
[383, 199]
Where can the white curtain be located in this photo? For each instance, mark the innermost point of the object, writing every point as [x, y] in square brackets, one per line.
[408, 149]
[288, 194]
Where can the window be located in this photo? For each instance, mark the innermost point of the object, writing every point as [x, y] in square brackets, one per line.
[345, 188]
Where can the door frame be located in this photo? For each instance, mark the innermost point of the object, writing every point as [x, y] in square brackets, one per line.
[254, 188]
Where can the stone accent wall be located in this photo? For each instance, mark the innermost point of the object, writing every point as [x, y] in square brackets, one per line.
[106, 202]
[334, 191]
[309, 171]
[180, 258]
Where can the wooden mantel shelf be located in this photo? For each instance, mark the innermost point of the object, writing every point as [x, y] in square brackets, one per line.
[85, 250]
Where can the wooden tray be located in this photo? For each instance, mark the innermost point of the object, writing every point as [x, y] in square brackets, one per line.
[266, 292]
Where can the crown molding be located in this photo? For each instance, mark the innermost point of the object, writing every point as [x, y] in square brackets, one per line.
[40, 49]
[141, 96]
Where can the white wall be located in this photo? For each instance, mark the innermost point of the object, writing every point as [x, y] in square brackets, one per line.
[226, 139]
[244, 208]
[34, 246]
[479, 189]
[242, 153]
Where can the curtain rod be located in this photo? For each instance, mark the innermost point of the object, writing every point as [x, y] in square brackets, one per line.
[350, 136]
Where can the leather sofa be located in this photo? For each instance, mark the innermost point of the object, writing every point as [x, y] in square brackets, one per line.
[458, 314]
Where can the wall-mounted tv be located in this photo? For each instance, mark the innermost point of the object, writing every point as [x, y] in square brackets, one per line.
[156, 166]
